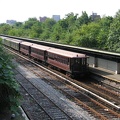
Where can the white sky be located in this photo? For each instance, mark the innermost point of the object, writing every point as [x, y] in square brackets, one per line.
[21, 10]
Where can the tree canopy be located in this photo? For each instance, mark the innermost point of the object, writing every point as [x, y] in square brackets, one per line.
[75, 30]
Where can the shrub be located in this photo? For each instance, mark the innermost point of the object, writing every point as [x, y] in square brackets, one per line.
[9, 94]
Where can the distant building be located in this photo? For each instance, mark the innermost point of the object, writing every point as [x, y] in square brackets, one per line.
[94, 16]
[42, 19]
[56, 17]
[11, 22]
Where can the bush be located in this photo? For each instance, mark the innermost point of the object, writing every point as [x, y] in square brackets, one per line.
[9, 94]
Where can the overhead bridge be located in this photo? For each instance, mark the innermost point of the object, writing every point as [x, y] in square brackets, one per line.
[97, 58]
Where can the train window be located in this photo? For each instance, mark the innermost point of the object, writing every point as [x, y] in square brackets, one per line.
[40, 52]
[60, 59]
[24, 47]
[34, 50]
[67, 61]
[51, 56]
[78, 61]
[83, 61]
[72, 61]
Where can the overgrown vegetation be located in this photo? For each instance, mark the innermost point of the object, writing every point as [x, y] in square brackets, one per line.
[72, 30]
[9, 94]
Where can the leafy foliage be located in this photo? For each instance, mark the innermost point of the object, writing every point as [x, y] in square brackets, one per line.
[9, 94]
[73, 30]
[114, 34]
[4, 28]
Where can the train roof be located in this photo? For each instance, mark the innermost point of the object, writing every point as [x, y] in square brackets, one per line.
[40, 47]
[59, 51]
[11, 39]
[3, 37]
[26, 43]
[15, 41]
[8, 38]
[66, 53]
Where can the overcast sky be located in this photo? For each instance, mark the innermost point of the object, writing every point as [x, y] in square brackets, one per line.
[21, 10]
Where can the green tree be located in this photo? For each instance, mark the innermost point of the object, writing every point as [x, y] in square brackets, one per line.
[47, 28]
[9, 94]
[105, 23]
[16, 32]
[83, 19]
[64, 24]
[28, 24]
[36, 30]
[86, 36]
[18, 24]
[113, 42]
[71, 20]
[5, 28]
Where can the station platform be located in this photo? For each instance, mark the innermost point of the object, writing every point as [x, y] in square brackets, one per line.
[105, 73]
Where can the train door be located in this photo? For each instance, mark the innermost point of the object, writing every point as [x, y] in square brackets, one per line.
[76, 64]
[19, 47]
[84, 64]
[29, 48]
[45, 56]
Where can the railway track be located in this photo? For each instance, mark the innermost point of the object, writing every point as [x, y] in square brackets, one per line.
[84, 100]
[44, 108]
[106, 81]
[102, 91]
[77, 96]
[98, 89]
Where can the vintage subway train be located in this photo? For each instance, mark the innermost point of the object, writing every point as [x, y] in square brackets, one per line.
[73, 64]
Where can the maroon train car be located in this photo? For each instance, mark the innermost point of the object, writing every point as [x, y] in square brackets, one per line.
[39, 52]
[75, 64]
[25, 47]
